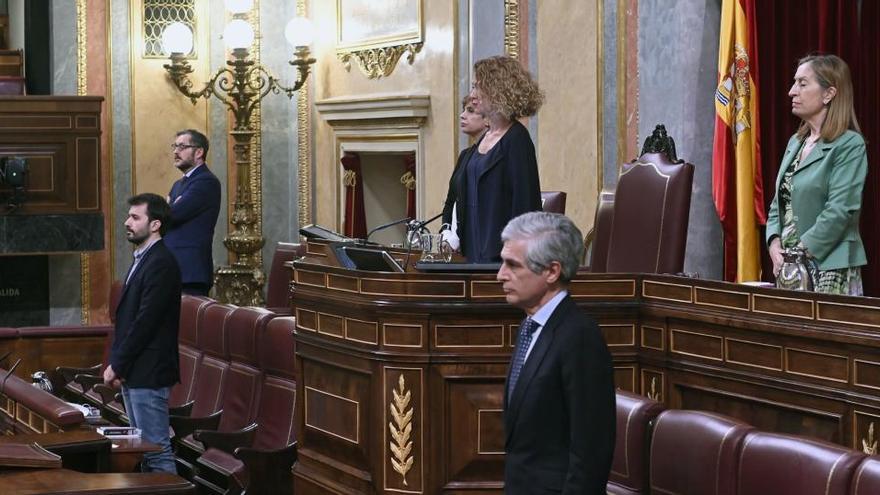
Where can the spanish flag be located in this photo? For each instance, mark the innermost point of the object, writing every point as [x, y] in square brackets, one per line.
[736, 160]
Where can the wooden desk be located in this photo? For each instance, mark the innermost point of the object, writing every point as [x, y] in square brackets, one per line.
[81, 450]
[126, 453]
[64, 481]
[783, 361]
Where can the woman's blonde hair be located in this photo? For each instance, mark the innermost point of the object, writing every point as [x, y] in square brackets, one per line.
[508, 86]
[830, 71]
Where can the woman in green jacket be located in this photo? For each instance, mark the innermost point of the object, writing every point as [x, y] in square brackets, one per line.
[819, 187]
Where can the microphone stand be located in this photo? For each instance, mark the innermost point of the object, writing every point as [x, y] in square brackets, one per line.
[417, 227]
[385, 226]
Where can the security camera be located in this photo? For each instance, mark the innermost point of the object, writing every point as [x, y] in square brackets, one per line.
[13, 172]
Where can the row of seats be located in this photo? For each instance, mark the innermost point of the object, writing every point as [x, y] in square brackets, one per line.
[697, 452]
[232, 412]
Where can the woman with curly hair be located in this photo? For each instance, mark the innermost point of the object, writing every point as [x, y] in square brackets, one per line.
[499, 177]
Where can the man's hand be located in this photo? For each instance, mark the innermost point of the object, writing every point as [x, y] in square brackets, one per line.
[110, 377]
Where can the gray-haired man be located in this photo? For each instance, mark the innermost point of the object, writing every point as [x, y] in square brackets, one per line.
[559, 405]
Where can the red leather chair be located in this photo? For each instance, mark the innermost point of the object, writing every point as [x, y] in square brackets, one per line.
[277, 290]
[651, 210]
[244, 329]
[867, 477]
[600, 235]
[211, 375]
[772, 463]
[553, 201]
[695, 452]
[261, 463]
[629, 473]
[192, 312]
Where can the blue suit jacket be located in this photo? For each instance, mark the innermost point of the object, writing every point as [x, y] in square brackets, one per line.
[195, 206]
[144, 350]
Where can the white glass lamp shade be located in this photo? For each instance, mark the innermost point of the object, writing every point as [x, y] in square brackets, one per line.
[239, 6]
[177, 38]
[238, 34]
[299, 32]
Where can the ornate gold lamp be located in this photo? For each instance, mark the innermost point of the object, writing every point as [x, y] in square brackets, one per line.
[240, 86]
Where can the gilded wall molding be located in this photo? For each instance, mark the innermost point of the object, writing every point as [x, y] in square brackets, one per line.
[256, 155]
[379, 62]
[81, 89]
[304, 141]
[511, 28]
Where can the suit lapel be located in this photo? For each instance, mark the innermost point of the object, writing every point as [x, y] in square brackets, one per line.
[533, 363]
[816, 155]
[138, 269]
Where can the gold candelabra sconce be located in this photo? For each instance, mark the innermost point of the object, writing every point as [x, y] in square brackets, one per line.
[240, 85]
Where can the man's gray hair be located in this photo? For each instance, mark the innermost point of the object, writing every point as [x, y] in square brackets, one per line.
[550, 237]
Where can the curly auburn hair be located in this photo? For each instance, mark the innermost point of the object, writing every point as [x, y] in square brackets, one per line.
[510, 89]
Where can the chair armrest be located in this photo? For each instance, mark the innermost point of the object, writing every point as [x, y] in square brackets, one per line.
[88, 381]
[68, 373]
[181, 410]
[266, 469]
[184, 425]
[227, 441]
[107, 393]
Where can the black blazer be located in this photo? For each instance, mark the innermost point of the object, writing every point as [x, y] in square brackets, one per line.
[560, 420]
[144, 351]
[195, 205]
[508, 187]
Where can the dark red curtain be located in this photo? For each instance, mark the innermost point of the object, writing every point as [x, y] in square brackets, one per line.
[353, 179]
[409, 182]
[789, 30]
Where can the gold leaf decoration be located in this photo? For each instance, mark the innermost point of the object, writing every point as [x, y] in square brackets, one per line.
[379, 62]
[869, 445]
[401, 430]
[409, 181]
[654, 394]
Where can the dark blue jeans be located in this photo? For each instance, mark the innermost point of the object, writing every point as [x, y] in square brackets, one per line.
[147, 409]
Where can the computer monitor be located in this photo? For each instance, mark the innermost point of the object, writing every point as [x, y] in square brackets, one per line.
[371, 260]
[313, 231]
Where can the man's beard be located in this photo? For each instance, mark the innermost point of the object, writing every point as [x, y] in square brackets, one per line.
[137, 239]
[184, 165]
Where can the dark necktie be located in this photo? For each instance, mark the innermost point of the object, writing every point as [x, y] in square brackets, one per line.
[526, 329]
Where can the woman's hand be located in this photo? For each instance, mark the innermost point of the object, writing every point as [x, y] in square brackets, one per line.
[776, 255]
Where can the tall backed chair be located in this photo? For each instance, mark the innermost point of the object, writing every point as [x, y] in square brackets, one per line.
[241, 388]
[553, 201]
[260, 461]
[772, 463]
[648, 227]
[277, 291]
[629, 470]
[695, 452]
[192, 312]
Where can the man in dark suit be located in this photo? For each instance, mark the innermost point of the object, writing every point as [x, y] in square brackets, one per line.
[559, 401]
[195, 206]
[144, 358]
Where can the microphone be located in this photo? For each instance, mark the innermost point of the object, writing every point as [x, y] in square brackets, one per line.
[385, 226]
[418, 226]
[8, 374]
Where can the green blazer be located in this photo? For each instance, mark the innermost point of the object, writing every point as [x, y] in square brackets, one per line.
[826, 200]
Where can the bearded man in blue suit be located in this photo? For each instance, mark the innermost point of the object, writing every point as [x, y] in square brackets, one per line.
[195, 206]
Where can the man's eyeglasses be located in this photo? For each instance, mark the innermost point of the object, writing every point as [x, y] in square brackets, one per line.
[178, 147]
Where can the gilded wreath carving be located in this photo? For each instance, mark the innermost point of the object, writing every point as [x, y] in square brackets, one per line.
[401, 430]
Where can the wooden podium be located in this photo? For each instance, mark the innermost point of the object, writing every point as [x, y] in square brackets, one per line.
[402, 374]
[401, 382]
